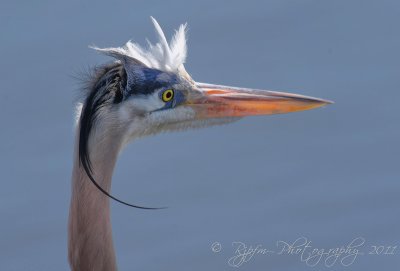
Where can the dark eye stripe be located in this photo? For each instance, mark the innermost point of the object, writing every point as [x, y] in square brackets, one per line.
[147, 80]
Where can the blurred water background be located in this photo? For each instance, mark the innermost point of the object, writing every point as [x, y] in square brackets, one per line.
[330, 175]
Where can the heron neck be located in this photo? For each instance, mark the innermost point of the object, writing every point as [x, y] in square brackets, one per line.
[90, 244]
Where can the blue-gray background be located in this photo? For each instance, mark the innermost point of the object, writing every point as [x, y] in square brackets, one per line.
[330, 174]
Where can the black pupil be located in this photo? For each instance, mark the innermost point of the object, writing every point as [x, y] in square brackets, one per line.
[168, 94]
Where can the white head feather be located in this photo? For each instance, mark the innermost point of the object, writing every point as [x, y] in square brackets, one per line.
[162, 56]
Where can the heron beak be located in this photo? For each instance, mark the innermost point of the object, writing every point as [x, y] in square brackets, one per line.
[216, 101]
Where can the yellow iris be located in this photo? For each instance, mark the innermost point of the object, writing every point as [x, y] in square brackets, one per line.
[168, 95]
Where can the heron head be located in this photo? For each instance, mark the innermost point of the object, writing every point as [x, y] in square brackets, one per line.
[157, 94]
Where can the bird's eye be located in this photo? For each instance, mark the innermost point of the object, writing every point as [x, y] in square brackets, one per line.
[167, 95]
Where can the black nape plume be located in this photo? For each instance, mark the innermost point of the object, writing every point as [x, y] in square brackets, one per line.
[105, 86]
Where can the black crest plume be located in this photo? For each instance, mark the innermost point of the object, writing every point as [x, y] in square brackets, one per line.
[105, 86]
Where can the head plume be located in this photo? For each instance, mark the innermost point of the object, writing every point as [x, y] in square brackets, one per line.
[163, 56]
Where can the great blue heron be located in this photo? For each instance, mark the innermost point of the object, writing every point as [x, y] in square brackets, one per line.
[144, 92]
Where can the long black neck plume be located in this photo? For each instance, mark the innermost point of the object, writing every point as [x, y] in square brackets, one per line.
[104, 88]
